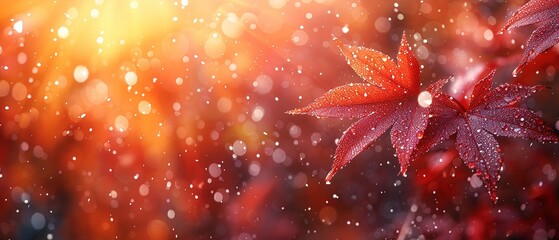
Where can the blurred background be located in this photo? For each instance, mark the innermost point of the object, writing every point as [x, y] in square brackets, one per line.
[165, 120]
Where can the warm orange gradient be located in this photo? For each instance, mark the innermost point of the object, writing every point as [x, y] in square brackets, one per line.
[165, 119]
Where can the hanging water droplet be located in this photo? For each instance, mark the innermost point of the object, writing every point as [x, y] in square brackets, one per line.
[419, 135]
[515, 72]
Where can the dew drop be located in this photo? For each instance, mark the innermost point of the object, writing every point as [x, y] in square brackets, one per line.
[475, 182]
[425, 99]
[345, 29]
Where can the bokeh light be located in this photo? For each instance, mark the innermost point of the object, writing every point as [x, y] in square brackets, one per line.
[166, 120]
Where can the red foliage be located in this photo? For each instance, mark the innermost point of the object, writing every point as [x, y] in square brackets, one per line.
[488, 112]
[545, 36]
[390, 97]
[387, 98]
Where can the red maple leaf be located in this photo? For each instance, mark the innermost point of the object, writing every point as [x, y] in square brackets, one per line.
[546, 35]
[488, 112]
[388, 97]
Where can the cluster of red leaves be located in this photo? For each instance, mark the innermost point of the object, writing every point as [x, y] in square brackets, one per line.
[391, 96]
[387, 98]
[546, 35]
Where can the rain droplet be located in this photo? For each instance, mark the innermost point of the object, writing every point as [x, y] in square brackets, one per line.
[121, 123]
[144, 190]
[81, 73]
[38, 221]
[19, 91]
[4, 88]
[131, 78]
[144, 107]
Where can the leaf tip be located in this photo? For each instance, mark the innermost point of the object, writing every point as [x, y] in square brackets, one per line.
[492, 191]
[404, 42]
[491, 186]
[296, 111]
[540, 88]
[517, 70]
[331, 174]
[334, 38]
[551, 138]
[338, 43]
[293, 112]
[435, 87]
[403, 170]
[494, 197]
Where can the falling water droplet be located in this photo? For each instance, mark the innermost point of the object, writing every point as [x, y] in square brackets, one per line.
[81, 73]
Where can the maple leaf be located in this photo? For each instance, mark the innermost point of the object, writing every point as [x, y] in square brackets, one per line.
[489, 112]
[545, 36]
[388, 97]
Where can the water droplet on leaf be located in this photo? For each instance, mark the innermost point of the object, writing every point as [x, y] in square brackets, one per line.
[419, 135]
[425, 99]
